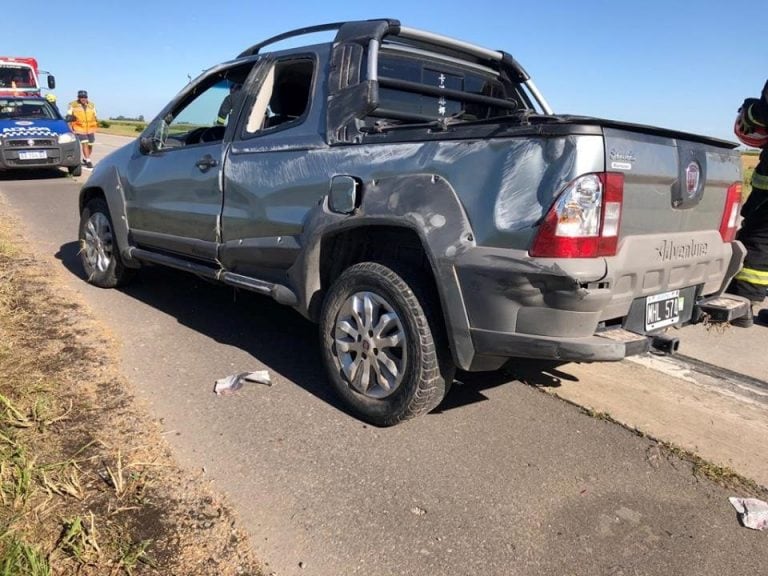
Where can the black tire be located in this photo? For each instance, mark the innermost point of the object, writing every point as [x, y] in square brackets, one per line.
[99, 253]
[75, 170]
[427, 366]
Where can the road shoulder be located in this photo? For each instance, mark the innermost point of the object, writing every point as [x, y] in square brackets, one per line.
[725, 425]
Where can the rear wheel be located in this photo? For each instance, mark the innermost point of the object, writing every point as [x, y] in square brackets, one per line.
[383, 347]
[98, 250]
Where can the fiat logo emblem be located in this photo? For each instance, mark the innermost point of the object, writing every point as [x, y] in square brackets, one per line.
[692, 178]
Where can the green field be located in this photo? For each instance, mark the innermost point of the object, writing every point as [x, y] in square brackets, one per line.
[134, 128]
[123, 127]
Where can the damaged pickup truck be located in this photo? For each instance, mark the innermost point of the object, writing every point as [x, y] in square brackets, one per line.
[416, 196]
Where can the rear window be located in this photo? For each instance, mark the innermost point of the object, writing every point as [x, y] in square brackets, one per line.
[405, 103]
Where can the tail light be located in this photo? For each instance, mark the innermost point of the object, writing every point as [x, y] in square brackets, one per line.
[730, 221]
[584, 221]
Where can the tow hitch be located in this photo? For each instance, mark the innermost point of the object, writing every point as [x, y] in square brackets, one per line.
[665, 344]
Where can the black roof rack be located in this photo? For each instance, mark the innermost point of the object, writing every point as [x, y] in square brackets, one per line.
[358, 29]
[298, 32]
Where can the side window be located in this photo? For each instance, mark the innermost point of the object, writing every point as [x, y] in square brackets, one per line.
[401, 104]
[284, 95]
[203, 114]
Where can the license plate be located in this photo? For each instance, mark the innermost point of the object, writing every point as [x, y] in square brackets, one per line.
[34, 155]
[663, 309]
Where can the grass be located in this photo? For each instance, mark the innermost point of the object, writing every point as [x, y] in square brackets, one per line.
[87, 485]
[748, 162]
[21, 558]
[133, 128]
[123, 128]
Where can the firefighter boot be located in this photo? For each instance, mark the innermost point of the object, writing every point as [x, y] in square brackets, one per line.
[746, 321]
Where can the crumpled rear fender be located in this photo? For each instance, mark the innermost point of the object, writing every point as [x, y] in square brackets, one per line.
[424, 203]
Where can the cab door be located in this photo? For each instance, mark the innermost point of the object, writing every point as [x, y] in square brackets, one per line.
[172, 184]
[277, 168]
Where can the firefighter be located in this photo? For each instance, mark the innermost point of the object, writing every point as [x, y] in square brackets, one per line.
[228, 104]
[752, 280]
[81, 115]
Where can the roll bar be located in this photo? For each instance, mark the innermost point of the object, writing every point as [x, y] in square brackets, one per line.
[371, 33]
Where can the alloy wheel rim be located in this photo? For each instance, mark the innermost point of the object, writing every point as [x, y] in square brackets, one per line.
[370, 345]
[98, 242]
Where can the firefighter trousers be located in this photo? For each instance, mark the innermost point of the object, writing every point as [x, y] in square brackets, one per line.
[752, 280]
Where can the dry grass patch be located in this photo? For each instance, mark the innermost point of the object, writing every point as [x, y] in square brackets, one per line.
[748, 163]
[87, 483]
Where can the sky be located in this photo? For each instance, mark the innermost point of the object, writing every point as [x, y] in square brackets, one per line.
[679, 64]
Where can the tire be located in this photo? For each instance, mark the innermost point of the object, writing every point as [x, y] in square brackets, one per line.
[99, 254]
[75, 170]
[399, 365]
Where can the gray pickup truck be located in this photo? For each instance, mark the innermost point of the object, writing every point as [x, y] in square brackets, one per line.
[416, 196]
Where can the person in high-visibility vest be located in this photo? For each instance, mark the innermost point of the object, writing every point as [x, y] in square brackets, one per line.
[81, 115]
[752, 280]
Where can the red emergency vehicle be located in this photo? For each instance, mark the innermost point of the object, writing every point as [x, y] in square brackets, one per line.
[20, 76]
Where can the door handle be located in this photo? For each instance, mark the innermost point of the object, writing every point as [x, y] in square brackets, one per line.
[206, 162]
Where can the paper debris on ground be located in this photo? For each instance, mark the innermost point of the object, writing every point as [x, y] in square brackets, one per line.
[753, 513]
[233, 383]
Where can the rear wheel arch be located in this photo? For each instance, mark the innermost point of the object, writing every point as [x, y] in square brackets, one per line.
[426, 211]
[399, 246]
[402, 248]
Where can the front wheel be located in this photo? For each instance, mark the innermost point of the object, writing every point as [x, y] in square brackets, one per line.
[98, 249]
[383, 346]
[75, 170]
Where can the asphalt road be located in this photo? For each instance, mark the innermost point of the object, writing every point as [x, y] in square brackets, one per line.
[502, 480]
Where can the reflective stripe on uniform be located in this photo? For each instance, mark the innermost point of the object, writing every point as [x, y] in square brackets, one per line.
[759, 181]
[757, 277]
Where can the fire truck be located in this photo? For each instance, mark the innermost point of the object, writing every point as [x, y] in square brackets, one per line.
[20, 76]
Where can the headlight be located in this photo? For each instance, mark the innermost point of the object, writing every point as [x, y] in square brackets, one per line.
[66, 138]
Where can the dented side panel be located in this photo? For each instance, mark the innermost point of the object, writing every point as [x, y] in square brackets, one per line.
[505, 185]
[456, 195]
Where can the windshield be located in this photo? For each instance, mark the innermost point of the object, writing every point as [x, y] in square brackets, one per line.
[16, 77]
[26, 109]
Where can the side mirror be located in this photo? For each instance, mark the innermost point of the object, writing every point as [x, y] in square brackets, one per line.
[146, 145]
[51, 82]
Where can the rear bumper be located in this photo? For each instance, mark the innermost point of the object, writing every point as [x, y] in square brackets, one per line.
[605, 345]
[611, 345]
[519, 307]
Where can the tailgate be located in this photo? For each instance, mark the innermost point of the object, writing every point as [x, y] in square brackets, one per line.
[669, 236]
